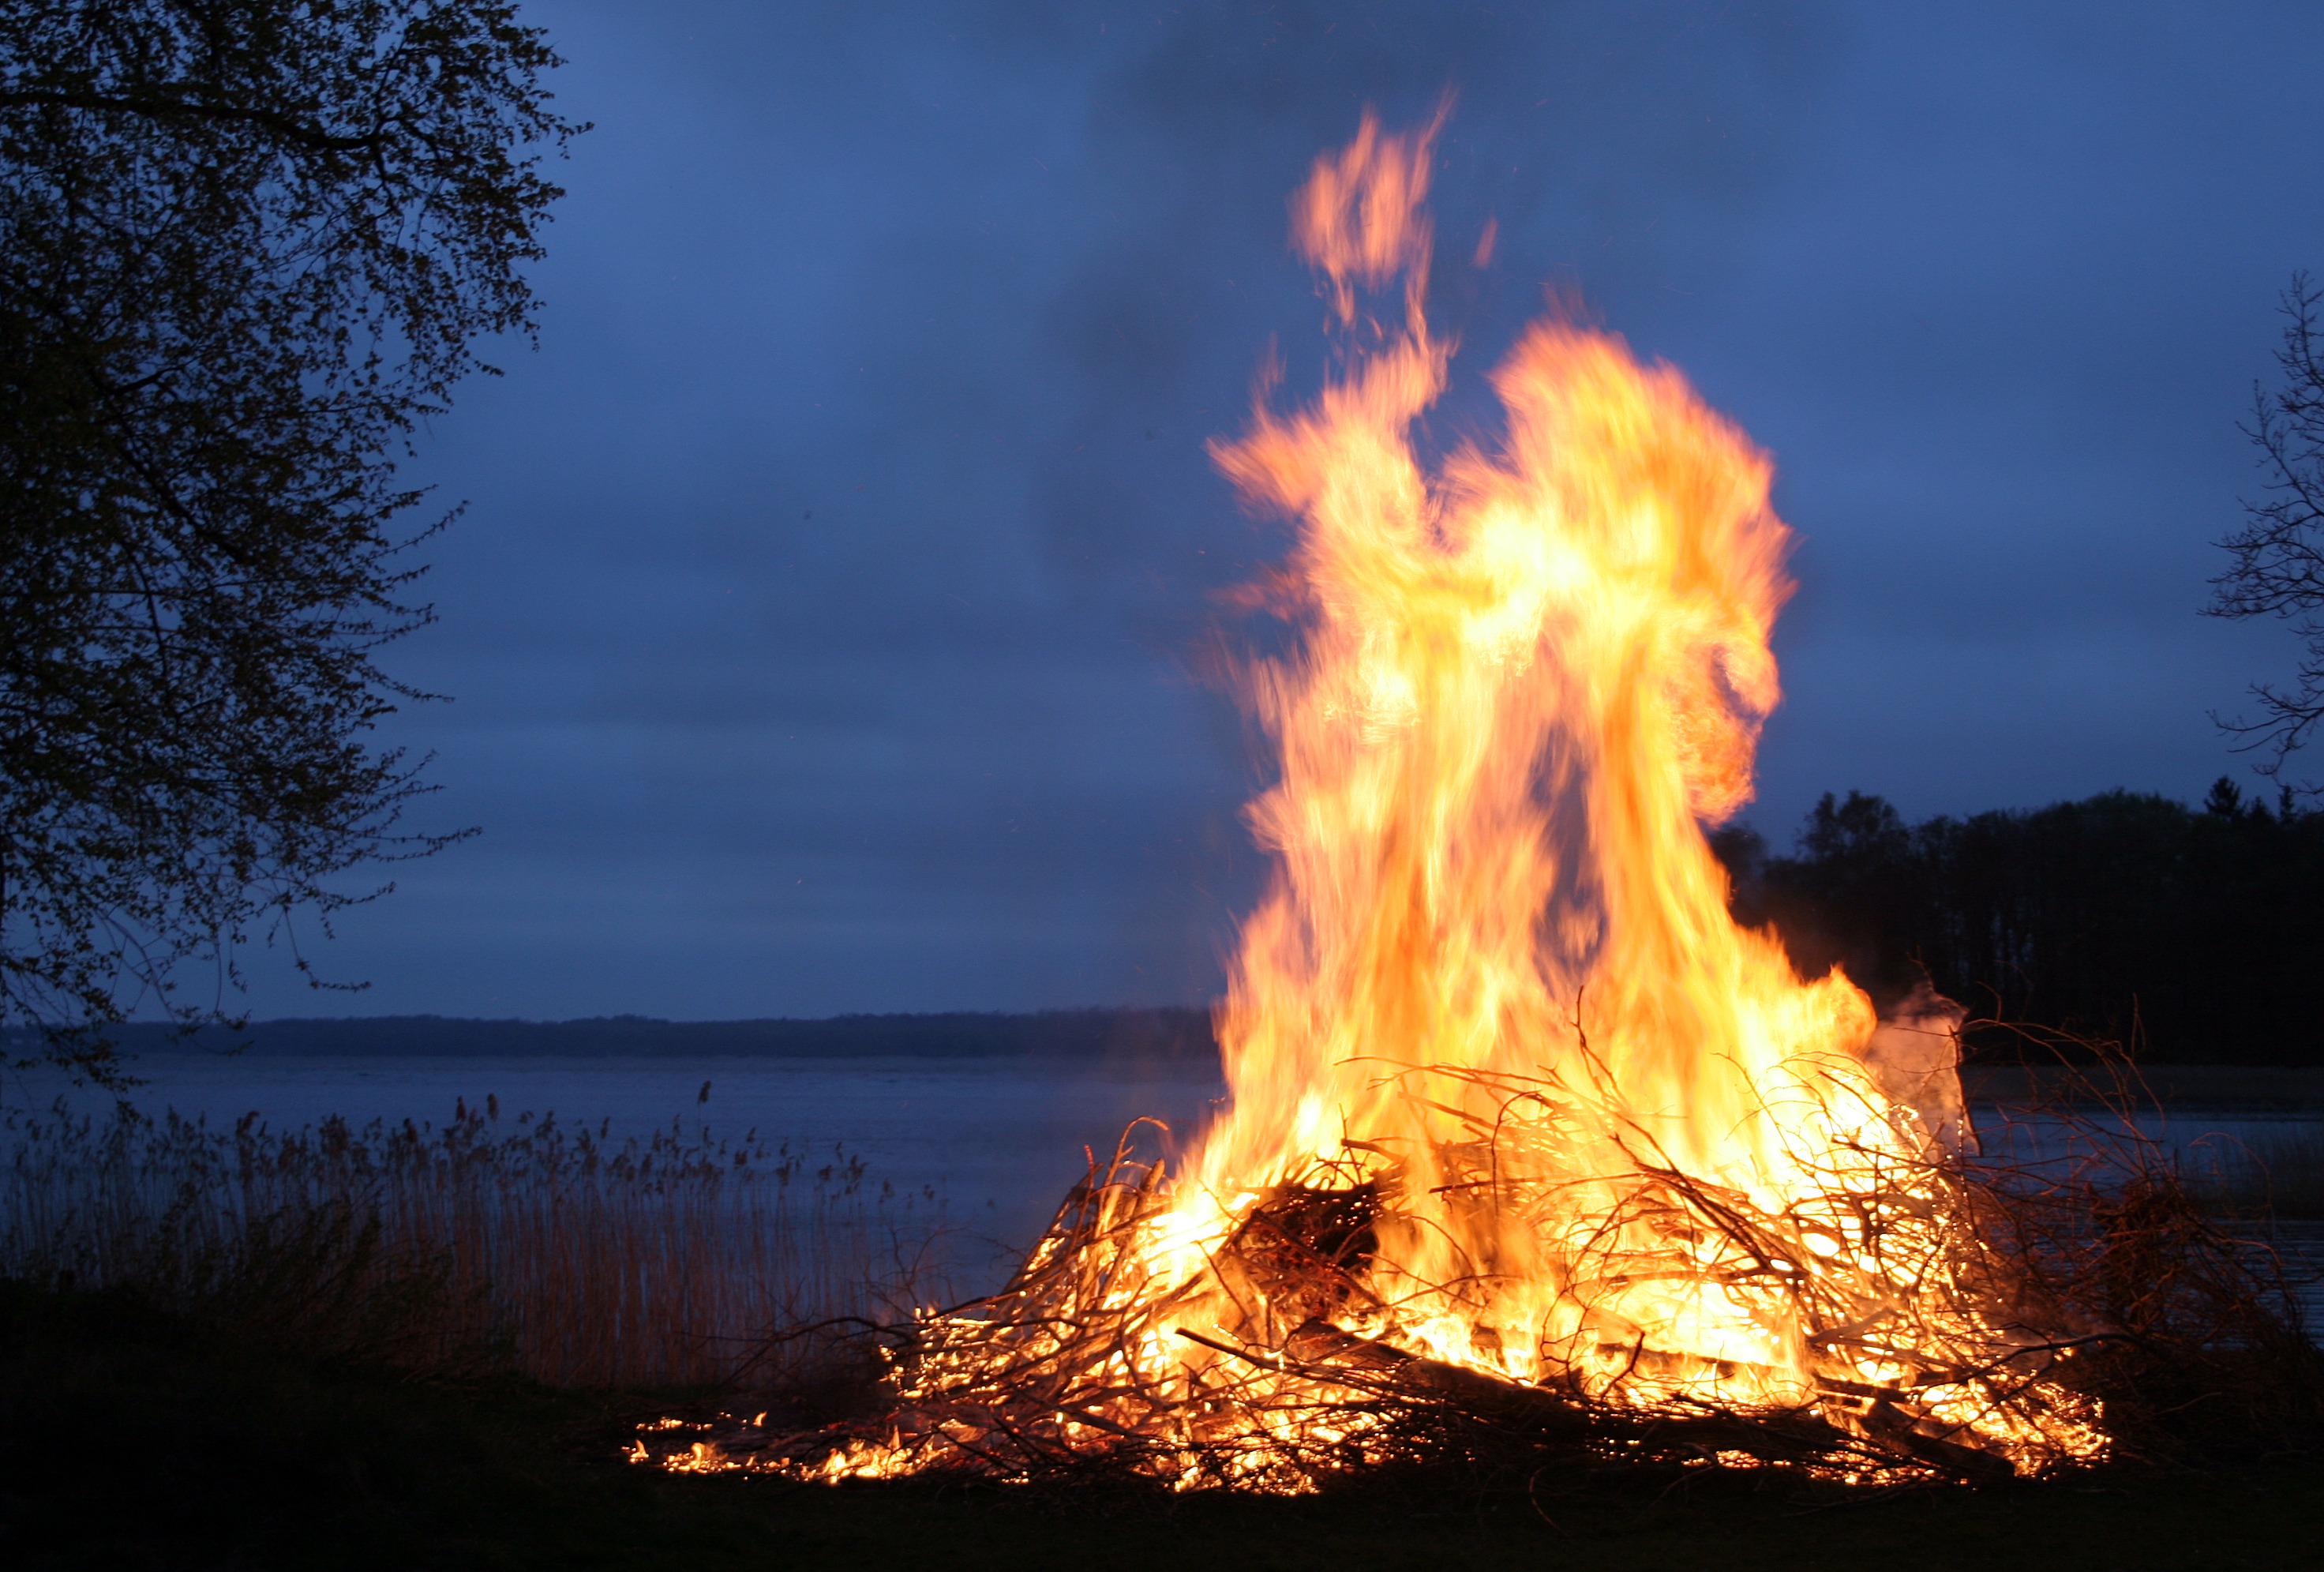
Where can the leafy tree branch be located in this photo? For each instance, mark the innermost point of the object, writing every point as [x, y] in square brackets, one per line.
[244, 249]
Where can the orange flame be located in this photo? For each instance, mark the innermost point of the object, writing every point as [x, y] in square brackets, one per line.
[1614, 1144]
[1497, 957]
[1358, 220]
[1526, 682]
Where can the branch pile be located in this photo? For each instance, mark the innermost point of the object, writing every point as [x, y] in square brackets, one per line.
[2056, 1310]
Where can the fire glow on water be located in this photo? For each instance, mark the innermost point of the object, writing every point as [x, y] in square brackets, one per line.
[1517, 1112]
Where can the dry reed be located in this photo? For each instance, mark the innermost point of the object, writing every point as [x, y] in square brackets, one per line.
[563, 1254]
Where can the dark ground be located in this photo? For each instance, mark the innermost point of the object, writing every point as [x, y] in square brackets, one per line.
[131, 1441]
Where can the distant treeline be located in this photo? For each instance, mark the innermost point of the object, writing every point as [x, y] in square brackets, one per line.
[2191, 935]
[1097, 1036]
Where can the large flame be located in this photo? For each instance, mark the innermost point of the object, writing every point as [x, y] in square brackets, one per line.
[1579, 1130]
[1526, 681]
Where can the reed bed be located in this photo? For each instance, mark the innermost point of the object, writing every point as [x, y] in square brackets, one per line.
[560, 1253]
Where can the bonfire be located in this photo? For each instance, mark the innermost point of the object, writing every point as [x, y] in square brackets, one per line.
[1528, 1141]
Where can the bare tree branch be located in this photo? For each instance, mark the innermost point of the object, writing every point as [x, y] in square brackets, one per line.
[2278, 555]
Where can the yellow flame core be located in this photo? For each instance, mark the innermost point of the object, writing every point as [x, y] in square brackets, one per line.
[1496, 956]
[1525, 681]
[1618, 1146]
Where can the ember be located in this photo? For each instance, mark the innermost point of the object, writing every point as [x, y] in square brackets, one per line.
[1527, 1139]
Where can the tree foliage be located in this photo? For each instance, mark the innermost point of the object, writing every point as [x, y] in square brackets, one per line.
[2278, 555]
[2191, 932]
[244, 248]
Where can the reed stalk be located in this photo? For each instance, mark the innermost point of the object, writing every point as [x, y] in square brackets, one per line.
[563, 1254]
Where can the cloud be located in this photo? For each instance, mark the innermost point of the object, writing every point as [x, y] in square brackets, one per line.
[824, 625]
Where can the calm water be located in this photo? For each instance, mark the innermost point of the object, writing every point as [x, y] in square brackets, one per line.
[2206, 1142]
[999, 1141]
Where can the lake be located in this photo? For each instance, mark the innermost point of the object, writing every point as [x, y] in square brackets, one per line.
[999, 1141]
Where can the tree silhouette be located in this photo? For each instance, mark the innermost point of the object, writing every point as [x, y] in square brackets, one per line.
[244, 248]
[2278, 555]
[2189, 933]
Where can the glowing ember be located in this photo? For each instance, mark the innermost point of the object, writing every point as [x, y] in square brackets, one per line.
[1524, 1129]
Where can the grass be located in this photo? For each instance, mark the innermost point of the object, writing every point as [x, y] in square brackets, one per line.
[133, 1437]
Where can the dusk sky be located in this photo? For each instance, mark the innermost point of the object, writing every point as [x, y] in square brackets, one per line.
[826, 628]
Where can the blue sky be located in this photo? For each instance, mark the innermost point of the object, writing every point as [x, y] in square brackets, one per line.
[825, 629]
